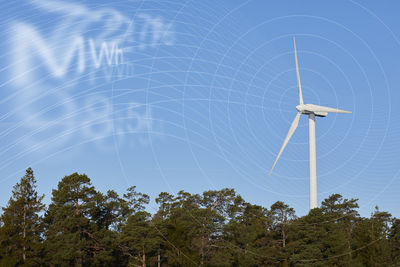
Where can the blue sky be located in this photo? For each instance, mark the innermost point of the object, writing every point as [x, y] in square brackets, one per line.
[199, 95]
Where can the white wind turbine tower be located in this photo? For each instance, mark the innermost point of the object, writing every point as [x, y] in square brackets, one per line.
[311, 110]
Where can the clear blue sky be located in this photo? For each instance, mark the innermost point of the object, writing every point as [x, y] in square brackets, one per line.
[199, 95]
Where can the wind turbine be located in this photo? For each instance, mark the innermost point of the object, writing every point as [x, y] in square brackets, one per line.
[311, 110]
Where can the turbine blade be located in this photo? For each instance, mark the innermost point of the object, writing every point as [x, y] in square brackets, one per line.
[316, 108]
[288, 136]
[297, 72]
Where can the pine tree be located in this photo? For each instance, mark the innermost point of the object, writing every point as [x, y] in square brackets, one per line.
[371, 240]
[394, 239]
[132, 202]
[341, 219]
[21, 232]
[247, 237]
[108, 210]
[161, 224]
[307, 242]
[281, 215]
[181, 228]
[139, 240]
[215, 207]
[108, 218]
[192, 226]
[70, 238]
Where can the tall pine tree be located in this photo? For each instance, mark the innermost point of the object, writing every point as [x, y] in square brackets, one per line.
[70, 239]
[21, 233]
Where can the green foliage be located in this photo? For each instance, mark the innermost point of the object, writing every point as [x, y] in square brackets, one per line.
[139, 240]
[372, 240]
[69, 233]
[84, 227]
[324, 237]
[394, 242]
[22, 227]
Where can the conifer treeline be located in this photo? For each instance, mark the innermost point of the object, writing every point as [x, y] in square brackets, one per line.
[84, 227]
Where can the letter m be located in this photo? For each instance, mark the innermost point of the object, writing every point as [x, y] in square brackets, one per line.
[57, 57]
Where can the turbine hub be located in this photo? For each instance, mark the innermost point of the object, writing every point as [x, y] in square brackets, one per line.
[301, 108]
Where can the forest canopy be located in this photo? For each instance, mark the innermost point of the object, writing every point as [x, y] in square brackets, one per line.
[84, 227]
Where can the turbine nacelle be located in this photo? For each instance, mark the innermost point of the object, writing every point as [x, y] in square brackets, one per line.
[317, 110]
[309, 109]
